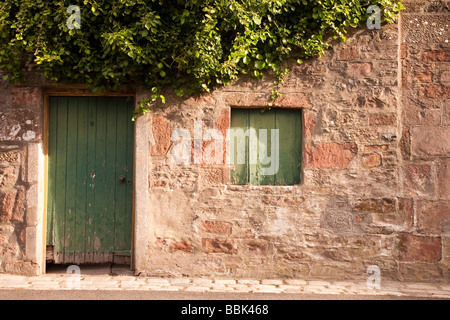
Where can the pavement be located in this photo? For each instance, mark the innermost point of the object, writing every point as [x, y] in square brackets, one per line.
[117, 282]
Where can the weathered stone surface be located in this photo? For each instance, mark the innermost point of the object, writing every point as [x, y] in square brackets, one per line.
[406, 212]
[436, 91]
[20, 125]
[425, 29]
[433, 216]
[430, 141]
[12, 157]
[258, 247]
[417, 180]
[361, 69]
[26, 96]
[183, 246]
[419, 248]
[218, 246]
[381, 119]
[423, 77]
[405, 144]
[223, 122]
[161, 136]
[348, 53]
[421, 272]
[338, 220]
[371, 161]
[293, 100]
[422, 111]
[19, 206]
[219, 227]
[330, 155]
[7, 205]
[375, 205]
[444, 179]
[436, 55]
[8, 177]
[22, 268]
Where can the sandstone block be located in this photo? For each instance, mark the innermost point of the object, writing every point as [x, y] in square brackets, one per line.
[417, 180]
[330, 155]
[419, 249]
[433, 216]
[161, 136]
[219, 227]
[444, 179]
[26, 96]
[218, 246]
[430, 141]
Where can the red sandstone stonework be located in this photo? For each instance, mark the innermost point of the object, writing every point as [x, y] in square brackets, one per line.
[349, 53]
[218, 246]
[419, 249]
[26, 96]
[330, 155]
[430, 141]
[296, 100]
[418, 180]
[433, 216]
[444, 179]
[436, 91]
[371, 161]
[184, 246]
[381, 119]
[7, 203]
[364, 69]
[436, 55]
[219, 227]
[161, 135]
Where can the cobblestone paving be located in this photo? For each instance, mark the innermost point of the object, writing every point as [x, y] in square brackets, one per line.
[129, 282]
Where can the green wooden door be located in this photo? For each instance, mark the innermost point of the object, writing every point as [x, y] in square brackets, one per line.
[90, 169]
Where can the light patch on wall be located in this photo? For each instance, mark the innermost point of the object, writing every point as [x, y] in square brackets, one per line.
[29, 135]
[280, 225]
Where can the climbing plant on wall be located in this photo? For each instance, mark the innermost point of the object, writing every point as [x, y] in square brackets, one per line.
[192, 46]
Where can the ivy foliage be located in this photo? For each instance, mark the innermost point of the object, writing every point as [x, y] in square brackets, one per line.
[192, 46]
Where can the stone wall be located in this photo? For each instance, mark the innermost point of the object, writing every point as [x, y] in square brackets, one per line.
[375, 176]
[20, 182]
[375, 184]
[425, 142]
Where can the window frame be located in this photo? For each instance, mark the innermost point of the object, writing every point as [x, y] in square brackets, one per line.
[244, 174]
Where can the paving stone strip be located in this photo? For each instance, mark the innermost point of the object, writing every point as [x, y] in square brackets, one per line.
[277, 286]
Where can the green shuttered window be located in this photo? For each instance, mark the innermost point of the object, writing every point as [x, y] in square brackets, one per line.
[265, 146]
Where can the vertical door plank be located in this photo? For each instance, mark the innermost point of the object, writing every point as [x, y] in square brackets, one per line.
[112, 181]
[121, 170]
[101, 218]
[71, 178]
[51, 165]
[60, 175]
[82, 179]
[91, 178]
[239, 147]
